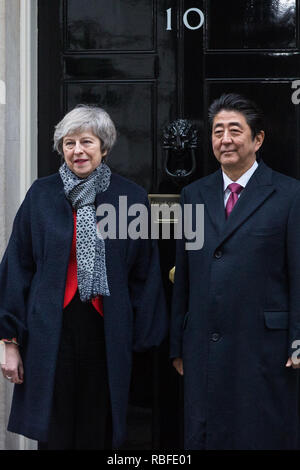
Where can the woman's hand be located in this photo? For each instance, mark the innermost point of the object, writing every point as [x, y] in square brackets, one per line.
[178, 364]
[295, 365]
[13, 370]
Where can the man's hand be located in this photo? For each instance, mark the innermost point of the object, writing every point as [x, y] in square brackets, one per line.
[291, 363]
[178, 364]
[13, 367]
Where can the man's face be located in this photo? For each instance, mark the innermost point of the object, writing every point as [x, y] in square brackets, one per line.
[232, 141]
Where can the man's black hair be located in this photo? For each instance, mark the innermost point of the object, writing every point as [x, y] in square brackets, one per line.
[239, 103]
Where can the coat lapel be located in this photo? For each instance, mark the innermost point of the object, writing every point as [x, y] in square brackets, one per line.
[63, 212]
[61, 242]
[213, 196]
[258, 189]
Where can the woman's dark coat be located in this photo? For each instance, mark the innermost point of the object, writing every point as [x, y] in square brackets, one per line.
[32, 282]
[236, 313]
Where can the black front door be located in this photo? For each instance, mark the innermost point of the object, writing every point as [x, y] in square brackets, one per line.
[149, 62]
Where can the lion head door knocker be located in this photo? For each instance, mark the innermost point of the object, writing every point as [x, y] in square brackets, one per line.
[180, 139]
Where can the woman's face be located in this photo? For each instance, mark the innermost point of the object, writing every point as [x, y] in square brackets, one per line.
[82, 152]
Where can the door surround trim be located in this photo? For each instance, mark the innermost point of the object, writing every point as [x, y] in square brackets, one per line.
[28, 94]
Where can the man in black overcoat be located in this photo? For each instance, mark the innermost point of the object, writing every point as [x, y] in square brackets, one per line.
[236, 305]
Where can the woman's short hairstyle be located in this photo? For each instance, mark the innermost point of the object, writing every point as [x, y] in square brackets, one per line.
[83, 118]
[239, 103]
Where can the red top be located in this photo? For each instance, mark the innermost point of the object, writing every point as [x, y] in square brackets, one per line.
[72, 283]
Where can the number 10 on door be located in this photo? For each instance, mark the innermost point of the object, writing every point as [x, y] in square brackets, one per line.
[185, 19]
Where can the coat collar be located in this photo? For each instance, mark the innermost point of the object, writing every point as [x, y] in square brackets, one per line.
[258, 189]
[60, 199]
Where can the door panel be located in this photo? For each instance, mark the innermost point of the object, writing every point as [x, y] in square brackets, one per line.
[99, 25]
[133, 66]
[133, 123]
[251, 24]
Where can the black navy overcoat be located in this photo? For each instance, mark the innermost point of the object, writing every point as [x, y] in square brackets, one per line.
[236, 313]
[32, 282]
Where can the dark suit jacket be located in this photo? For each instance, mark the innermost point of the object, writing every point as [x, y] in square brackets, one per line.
[32, 282]
[236, 312]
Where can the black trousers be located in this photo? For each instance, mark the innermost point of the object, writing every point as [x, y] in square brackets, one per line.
[81, 412]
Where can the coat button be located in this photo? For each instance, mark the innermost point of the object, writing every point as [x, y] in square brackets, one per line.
[215, 337]
[218, 254]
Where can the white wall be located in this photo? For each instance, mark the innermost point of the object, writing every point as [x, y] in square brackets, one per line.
[3, 391]
[18, 142]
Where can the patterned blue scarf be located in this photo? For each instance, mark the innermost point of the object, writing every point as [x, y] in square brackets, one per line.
[90, 248]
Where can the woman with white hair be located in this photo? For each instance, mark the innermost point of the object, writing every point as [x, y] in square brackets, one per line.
[74, 305]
